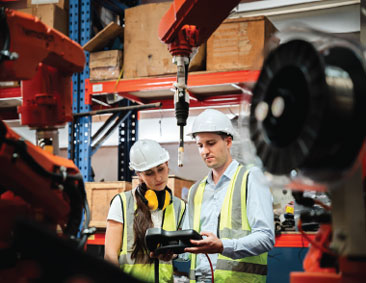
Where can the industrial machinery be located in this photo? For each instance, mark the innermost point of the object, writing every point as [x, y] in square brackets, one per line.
[42, 197]
[306, 122]
[44, 60]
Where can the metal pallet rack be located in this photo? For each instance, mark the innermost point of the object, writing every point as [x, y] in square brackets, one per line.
[205, 88]
[80, 138]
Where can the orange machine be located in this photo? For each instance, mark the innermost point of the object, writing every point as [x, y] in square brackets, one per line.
[44, 60]
[44, 213]
[34, 184]
[306, 113]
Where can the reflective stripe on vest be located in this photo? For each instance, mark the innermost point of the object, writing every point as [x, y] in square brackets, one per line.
[171, 218]
[233, 224]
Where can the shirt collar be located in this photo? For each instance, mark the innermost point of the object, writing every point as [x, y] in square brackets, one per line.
[228, 174]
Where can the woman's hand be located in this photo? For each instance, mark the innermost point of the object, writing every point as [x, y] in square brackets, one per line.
[209, 245]
[164, 257]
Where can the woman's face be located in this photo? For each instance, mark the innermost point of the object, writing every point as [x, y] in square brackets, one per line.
[155, 178]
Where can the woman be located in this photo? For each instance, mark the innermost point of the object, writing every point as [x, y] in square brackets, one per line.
[150, 204]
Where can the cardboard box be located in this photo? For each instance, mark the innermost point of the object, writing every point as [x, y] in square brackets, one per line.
[99, 195]
[16, 5]
[105, 65]
[144, 53]
[238, 44]
[176, 184]
[51, 15]
[63, 4]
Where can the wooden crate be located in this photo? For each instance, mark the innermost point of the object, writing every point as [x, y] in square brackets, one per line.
[238, 44]
[176, 184]
[144, 53]
[99, 195]
[105, 65]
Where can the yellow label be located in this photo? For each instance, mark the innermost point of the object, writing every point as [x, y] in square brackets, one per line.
[289, 209]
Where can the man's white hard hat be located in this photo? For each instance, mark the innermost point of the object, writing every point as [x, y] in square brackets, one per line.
[146, 154]
[212, 120]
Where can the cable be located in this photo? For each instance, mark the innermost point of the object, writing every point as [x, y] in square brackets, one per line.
[315, 244]
[323, 205]
[212, 272]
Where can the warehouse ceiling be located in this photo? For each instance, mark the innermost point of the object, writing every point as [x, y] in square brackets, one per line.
[334, 16]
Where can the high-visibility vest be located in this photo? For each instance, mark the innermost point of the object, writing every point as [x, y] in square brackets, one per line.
[171, 220]
[233, 224]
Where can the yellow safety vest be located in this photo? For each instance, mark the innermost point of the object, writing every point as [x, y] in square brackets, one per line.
[171, 220]
[233, 224]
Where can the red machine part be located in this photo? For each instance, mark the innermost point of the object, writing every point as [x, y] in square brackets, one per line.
[30, 190]
[44, 59]
[186, 39]
[204, 15]
[343, 270]
[35, 42]
[47, 99]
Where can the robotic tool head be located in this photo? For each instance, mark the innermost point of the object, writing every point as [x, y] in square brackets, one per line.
[307, 124]
[308, 105]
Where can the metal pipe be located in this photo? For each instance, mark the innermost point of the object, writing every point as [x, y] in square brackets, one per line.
[118, 109]
[110, 130]
[104, 126]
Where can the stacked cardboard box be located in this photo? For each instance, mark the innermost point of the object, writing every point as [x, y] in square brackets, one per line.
[238, 44]
[53, 13]
[105, 65]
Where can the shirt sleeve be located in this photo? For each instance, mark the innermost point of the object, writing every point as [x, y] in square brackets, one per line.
[260, 217]
[115, 210]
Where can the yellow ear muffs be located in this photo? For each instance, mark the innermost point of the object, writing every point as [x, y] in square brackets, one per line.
[152, 199]
[155, 199]
[167, 199]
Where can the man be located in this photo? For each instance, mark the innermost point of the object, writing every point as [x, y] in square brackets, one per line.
[231, 208]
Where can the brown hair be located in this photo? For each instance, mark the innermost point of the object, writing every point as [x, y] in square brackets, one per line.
[142, 221]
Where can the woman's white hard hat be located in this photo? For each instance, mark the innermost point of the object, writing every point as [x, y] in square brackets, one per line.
[146, 154]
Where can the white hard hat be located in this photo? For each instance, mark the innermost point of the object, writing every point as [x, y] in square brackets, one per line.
[212, 120]
[146, 154]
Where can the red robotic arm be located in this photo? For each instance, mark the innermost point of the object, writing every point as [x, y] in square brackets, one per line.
[26, 42]
[44, 59]
[202, 15]
[188, 24]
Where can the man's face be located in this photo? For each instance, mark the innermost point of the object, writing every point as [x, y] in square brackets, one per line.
[214, 150]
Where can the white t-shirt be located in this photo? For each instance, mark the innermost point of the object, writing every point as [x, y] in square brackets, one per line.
[115, 212]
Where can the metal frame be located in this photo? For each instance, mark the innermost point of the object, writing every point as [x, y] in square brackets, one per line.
[127, 136]
[137, 89]
[79, 131]
[80, 140]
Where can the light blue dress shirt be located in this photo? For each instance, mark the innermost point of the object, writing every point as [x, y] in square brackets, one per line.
[259, 213]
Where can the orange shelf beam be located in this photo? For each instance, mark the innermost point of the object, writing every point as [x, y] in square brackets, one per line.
[136, 89]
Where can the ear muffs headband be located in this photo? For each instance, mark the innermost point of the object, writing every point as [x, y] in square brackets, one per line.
[155, 199]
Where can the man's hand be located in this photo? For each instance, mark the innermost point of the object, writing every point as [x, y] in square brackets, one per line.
[210, 245]
[165, 257]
